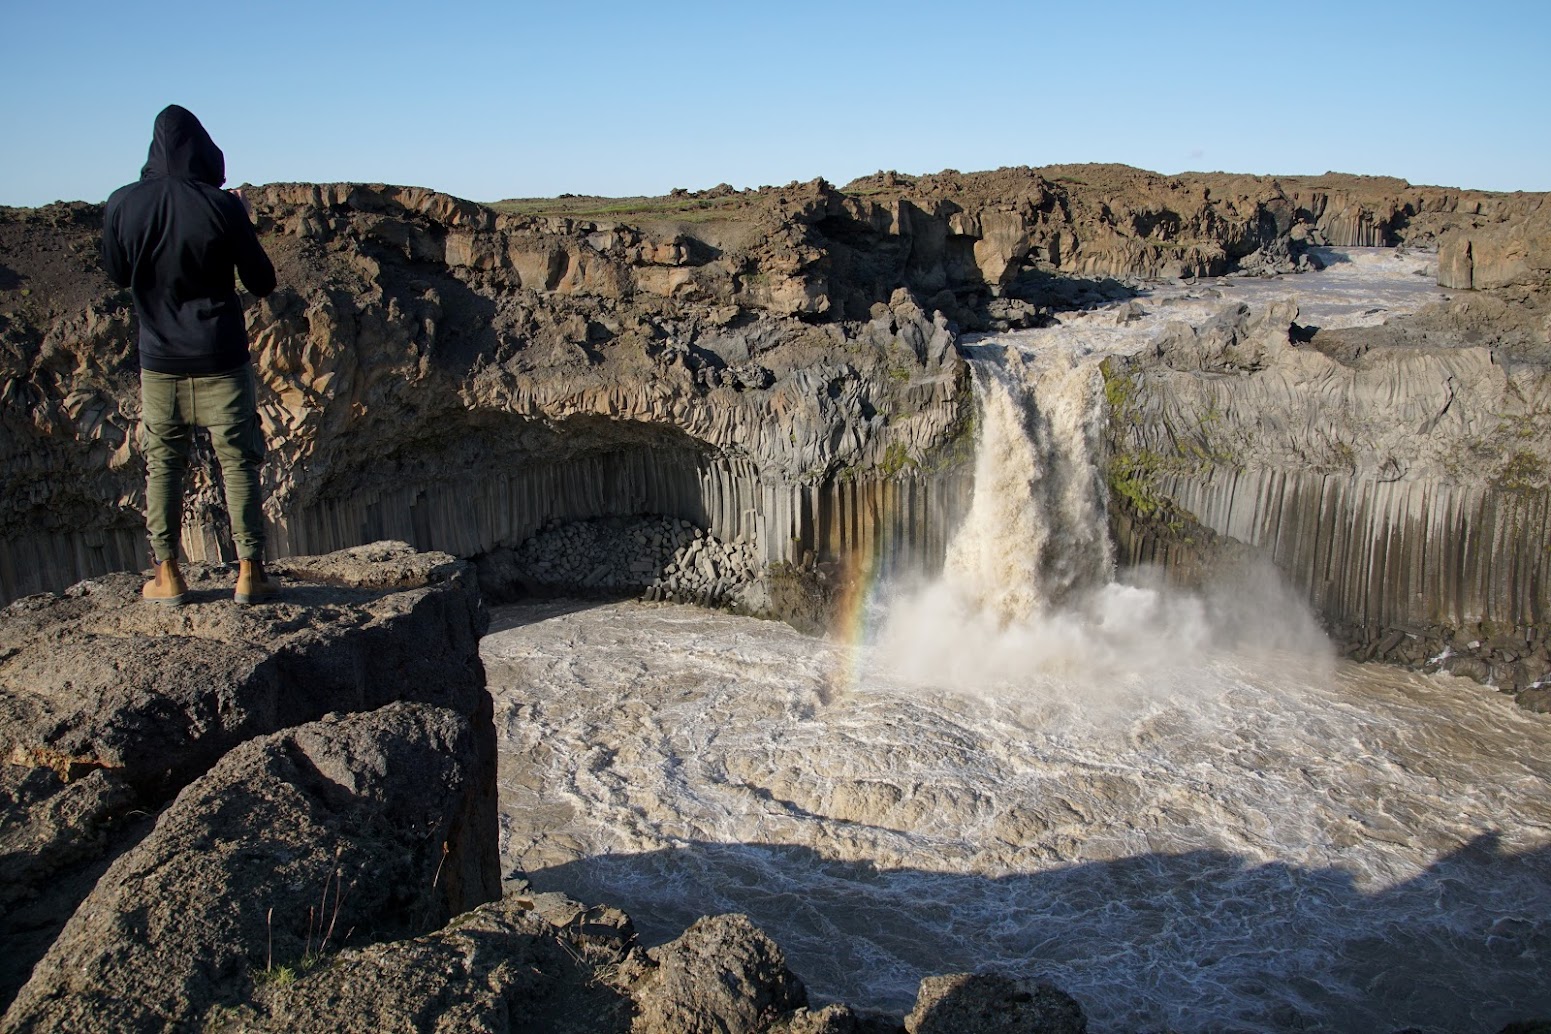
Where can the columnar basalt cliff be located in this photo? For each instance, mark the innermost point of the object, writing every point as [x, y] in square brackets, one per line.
[410, 393]
[1398, 476]
[776, 367]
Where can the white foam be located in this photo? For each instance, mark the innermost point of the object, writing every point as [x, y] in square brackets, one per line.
[1193, 836]
[1359, 287]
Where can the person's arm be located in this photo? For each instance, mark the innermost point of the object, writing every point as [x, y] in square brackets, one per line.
[253, 265]
[114, 260]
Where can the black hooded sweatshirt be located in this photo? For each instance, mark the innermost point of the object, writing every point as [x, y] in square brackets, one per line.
[173, 238]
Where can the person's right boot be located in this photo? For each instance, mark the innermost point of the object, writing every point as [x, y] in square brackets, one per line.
[167, 587]
[253, 585]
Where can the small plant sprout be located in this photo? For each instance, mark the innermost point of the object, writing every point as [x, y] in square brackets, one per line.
[430, 905]
[320, 920]
[438, 876]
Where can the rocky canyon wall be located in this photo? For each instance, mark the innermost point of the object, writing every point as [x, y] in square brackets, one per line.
[1401, 483]
[774, 365]
[408, 393]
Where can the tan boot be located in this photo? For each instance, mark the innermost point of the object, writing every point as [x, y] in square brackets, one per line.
[253, 585]
[168, 587]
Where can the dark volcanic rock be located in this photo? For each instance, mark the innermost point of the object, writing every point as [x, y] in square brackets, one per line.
[1537, 700]
[832, 1019]
[989, 1003]
[1485, 255]
[1400, 475]
[722, 974]
[109, 705]
[349, 829]
[502, 967]
[546, 963]
[662, 558]
[96, 678]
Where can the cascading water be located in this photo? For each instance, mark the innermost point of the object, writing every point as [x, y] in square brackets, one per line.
[1035, 533]
[1179, 808]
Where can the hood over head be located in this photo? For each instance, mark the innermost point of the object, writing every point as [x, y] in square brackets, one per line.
[181, 149]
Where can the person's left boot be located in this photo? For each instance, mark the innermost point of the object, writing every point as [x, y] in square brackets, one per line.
[253, 585]
[167, 587]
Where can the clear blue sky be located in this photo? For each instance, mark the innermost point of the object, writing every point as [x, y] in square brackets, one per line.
[495, 100]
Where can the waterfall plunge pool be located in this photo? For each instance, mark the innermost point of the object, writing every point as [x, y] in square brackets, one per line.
[1178, 808]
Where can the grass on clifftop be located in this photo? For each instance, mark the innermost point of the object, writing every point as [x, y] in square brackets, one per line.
[681, 209]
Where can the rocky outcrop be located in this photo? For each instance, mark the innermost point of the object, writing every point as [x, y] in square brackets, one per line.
[722, 974]
[1485, 255]
[410, 395]
[109, 706]
[545, 963]
[990, 1002]
[1008, 232]
[1382, 211]
[348, 830]
[776, 365]
[505, 966]
[1404, 484]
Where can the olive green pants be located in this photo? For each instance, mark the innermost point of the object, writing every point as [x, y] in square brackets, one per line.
[227, 405]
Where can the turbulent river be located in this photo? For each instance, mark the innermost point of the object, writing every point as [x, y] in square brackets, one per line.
[1181, 809]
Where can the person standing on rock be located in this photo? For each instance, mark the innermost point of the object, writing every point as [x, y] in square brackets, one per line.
[174, 238]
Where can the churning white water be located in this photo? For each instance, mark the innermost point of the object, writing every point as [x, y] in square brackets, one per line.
[1178, 808]
[1036, 531]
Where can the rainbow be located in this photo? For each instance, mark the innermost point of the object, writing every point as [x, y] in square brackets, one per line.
[853, 621]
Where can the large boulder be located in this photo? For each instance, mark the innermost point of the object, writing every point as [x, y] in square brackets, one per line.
[110, 705]
[723, 975]
[990, 1003]
[347, 830]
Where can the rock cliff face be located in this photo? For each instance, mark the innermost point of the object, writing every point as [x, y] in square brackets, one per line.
[1398, 476]
[775, 366]
[1485, 254]
[411, 394]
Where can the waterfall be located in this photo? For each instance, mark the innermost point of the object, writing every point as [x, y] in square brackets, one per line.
[1036, 535]
[1028, 595]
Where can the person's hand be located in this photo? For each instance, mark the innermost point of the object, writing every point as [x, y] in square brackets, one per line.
[237, 193]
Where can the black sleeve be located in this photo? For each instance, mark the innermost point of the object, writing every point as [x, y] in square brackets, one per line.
[114, 261]
[257, 272]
